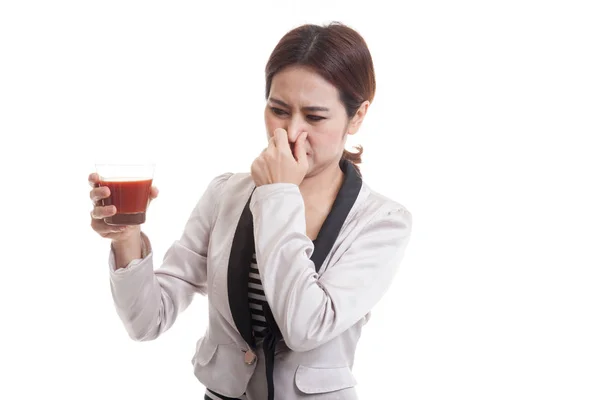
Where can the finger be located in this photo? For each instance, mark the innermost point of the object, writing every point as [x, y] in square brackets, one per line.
[300, 149]
[280, 138]
[271, 148]
[93, 179]
[257, 171]
[100, 212]
[153, 192]
[106, 230]
[99, 193]
[112, 235]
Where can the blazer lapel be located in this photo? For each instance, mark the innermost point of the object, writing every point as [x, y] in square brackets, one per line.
[342, 205]
[238, 274]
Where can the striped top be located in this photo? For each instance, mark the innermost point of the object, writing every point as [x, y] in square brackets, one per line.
[256, 300]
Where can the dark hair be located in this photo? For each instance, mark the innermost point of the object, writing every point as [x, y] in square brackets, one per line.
[336, 52]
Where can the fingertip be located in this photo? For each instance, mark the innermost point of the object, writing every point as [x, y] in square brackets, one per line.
[93, 178]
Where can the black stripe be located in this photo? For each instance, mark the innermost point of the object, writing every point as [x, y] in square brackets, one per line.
[256, 301]
[256, 291]
[259, 323]
[254, 280]
[272, 336]
[254, 269]
[219, 396]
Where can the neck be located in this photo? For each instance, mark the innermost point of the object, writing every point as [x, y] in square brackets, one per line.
[325, 183]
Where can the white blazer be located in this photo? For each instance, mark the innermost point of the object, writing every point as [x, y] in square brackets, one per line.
[320, 294]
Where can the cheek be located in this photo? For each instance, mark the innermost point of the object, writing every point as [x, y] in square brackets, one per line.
[272, 122]
[327, 137]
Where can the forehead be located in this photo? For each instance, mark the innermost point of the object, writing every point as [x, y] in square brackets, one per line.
[301, 85]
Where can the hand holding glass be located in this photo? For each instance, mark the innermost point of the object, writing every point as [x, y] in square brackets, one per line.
[129, 186]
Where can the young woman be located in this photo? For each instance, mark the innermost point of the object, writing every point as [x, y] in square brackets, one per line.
[293, 255]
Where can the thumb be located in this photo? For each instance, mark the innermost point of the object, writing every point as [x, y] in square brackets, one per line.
[300, 149]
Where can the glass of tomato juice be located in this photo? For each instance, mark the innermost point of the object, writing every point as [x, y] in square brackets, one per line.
[129, 186]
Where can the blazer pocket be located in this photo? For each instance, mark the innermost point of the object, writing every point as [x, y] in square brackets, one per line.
[205, 351]
[311, 380]
[221, 367]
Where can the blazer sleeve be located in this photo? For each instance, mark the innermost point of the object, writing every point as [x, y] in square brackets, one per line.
[147, 300]
[311, 309]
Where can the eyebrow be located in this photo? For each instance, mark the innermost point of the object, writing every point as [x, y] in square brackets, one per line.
[307, 108]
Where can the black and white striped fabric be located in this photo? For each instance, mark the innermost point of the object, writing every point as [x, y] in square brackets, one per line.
[256, 299]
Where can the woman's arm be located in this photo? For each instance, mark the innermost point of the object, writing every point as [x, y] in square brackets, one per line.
[148, 301]
[125, 251]
[311, 310]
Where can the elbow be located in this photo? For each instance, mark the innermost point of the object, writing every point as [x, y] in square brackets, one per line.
[142, 338]
[140, 335]
[307, 331]
[144, 325]
[140, 331]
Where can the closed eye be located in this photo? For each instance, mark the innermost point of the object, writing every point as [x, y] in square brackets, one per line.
[281, 113]
[278, 111]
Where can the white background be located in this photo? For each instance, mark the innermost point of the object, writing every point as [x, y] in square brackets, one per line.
[484, 125]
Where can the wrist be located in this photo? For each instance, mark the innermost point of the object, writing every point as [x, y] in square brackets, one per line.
[133, 240]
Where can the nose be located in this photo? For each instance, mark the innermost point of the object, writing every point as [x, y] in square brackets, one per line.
[295, 127]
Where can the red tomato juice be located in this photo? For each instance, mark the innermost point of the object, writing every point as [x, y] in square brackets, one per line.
[130, 197]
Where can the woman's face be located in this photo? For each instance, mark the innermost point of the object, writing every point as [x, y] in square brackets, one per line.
[301, 100]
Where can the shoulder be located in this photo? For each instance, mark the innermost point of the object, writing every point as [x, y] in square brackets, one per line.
[233, 182]
[224, 188]
[228, 181]
[377, 206]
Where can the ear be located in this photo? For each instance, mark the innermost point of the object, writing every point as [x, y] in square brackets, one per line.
[358, 118]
